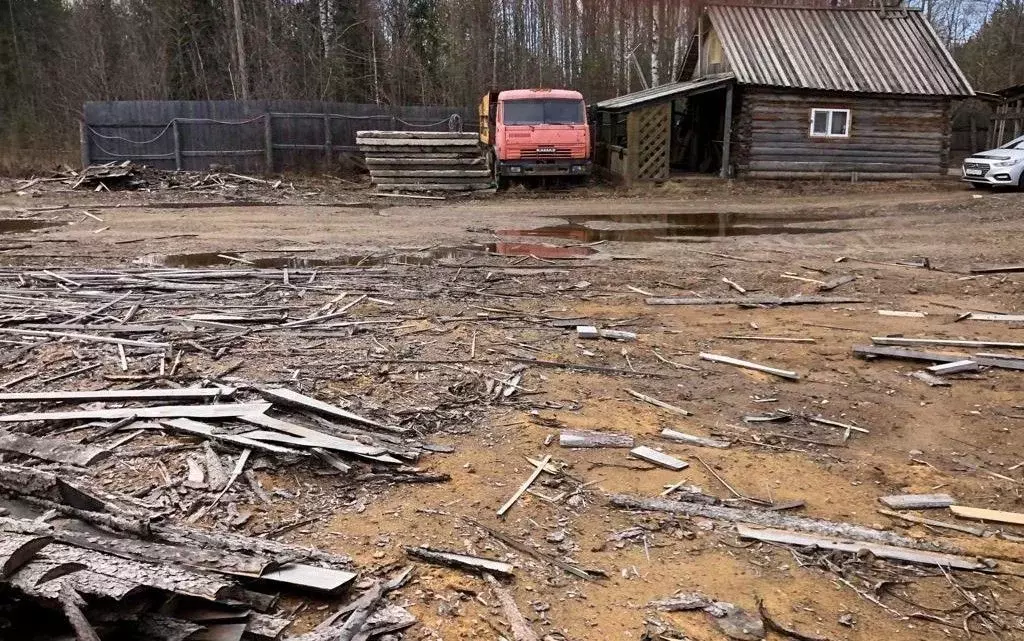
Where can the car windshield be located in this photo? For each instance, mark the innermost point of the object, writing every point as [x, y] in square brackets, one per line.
[1014, 144]
[543, 112]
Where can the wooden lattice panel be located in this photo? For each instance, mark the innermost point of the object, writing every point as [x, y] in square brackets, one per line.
[652, 145]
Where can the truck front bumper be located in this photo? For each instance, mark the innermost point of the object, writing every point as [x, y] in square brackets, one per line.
[561, 167]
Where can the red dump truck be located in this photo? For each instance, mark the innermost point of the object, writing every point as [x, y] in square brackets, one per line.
[535, 132]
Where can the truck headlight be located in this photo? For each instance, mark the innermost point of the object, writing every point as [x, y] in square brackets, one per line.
[1009, 163]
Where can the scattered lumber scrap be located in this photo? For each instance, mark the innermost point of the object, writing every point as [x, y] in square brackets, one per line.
[660, 459]
[728, 360]
[982, 514]
[876, 351]
[585, 438]
[288, 397]
[765, 518]
[881, 551]
[690, 439]
[591, 332]
[226, 410]
[836, 282]
[655, 402]
[466, 562]
[52, 449]
[997, 269]
[910, 518]
[525, 486]
[757, 300]
[916, 501]
[942, 369]
[999, 318]
[73, 396]
[733, 621]
[424, 160]
[521, 629]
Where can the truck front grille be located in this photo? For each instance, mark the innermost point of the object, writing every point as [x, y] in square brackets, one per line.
[545, 153]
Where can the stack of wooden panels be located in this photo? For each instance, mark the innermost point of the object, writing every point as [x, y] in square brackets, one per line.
[424, 160]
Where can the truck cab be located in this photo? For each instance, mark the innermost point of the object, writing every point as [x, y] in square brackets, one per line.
[536, 132]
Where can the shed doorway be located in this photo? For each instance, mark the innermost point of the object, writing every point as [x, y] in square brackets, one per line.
[699, 132]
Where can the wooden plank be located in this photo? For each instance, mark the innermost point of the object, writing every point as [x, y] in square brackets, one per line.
[981, 514]
[313, 437]
[916, 501]
[74, 396]
[52, 449]
[910, 518]
[84, 337]
[756, 300]
[658, 458]
[462, 561]
[310, 577]
[525, 486]
[585, 438]
[289, 397]
[690, 439]
[196, 428]
[728, 360]
[899, 340]
[226, 410]
[786, 537]
[768, 339]
[997, 269]
[934, 357]
[900, 314]
[1004, 318]
[655, 402]
[955, 367]
[836, 282]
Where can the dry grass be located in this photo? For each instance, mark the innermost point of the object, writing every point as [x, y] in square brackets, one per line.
[20, 162]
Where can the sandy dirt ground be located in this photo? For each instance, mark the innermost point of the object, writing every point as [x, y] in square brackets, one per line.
[679, 239]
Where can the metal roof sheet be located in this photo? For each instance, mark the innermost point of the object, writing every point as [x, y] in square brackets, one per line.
[858, 50]
[663, 93]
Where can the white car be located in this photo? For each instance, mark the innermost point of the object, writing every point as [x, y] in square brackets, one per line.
[1002, 166]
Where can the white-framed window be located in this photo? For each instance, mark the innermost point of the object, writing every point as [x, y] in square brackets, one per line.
[830, 123]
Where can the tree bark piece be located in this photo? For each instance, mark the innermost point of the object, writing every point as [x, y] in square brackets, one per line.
[521, 629]
[916, 501]
[682, 437]
[845, 545]
[71, 602]
[981, 514]
[52, 449]
[728, 360]
[537, 554]
[461, 561]
[766, 518]
[18, 549]
[586, 438]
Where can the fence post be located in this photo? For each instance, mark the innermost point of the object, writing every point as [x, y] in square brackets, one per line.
[83, 141]
[328, 143]
[177, 144]
[268, 141]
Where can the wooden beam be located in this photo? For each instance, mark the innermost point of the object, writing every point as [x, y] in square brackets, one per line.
[898, 340]
[916, 501]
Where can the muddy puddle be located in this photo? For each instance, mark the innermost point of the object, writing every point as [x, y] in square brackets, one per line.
[14, 225]
[431, 256]
[660, 227]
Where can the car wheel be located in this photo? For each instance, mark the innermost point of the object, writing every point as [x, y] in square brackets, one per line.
[1020, 182]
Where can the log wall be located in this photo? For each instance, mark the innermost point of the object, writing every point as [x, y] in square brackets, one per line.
[890, 137]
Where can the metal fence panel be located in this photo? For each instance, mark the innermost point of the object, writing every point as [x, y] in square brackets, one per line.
[250, 135]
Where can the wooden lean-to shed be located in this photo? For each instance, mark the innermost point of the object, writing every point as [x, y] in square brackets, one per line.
[783, 92]
[1008, 120]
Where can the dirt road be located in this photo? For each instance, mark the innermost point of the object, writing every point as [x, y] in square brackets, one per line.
[598, 257]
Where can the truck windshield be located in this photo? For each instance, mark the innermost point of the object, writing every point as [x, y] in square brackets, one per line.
[543, 112]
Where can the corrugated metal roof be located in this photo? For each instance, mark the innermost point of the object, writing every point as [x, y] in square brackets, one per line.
[663, 93]
[837, 49]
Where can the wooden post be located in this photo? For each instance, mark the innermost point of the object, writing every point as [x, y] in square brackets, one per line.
[177, 145]
[632, 146]
[974, 135]
[83, 141]
[268, 142]
[327, 142]
[727, 132]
